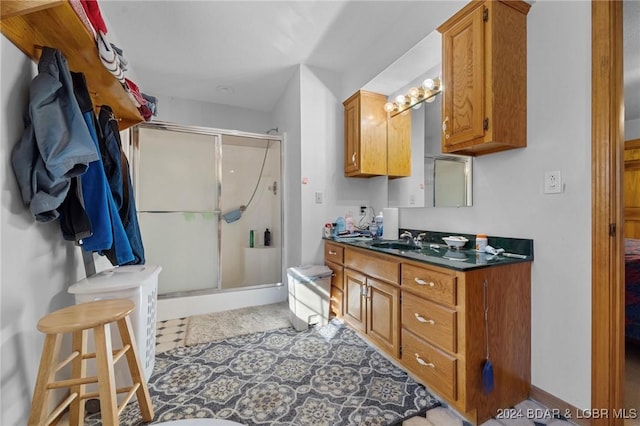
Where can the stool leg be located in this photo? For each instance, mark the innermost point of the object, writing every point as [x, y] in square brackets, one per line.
[137, 374]
[106, 377]
[78, 370]
[46, 375]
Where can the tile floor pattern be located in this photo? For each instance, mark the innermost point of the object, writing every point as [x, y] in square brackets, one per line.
[172, 333]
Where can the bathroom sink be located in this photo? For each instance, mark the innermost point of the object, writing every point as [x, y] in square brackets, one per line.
[394, 245]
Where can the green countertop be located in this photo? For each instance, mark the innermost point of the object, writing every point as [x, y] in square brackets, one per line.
[437, 253]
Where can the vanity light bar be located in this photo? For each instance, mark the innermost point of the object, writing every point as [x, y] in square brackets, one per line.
[426, 92]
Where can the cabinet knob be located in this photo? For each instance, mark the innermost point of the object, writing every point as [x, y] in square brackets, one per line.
[423, 362]
[420, 281]
[422, 319]
[444, 127]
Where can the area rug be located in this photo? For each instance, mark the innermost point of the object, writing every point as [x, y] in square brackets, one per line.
[324, 376]
[221, 325]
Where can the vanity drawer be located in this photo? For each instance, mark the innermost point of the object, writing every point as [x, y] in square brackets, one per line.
[333, 253]
[430, 321]
[428, 283]
[436, 368]
[337, 276]
[384, 268]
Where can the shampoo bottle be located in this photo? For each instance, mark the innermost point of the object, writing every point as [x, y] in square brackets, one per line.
[267, 238]
[379, 220]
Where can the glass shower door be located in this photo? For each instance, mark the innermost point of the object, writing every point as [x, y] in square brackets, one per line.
[177, 192]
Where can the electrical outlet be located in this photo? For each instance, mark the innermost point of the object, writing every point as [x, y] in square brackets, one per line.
[363, 210]
[552, 182]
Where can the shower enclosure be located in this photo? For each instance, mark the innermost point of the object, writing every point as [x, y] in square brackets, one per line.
[199, 194]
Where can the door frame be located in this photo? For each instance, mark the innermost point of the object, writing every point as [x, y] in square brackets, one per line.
[607, 146]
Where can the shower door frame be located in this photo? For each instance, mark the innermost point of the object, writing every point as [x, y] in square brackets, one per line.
[134, 155]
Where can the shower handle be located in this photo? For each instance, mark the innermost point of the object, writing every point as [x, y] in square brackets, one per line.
[274, 188]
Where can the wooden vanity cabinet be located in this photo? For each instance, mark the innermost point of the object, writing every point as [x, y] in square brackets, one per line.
[333, 259]
[484, 75]
[431, 319]
[443, 333]
[372, 298]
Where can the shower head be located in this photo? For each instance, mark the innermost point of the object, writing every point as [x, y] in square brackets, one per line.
[234, 215]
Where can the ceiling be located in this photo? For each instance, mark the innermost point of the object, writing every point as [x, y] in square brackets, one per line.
[243, 53]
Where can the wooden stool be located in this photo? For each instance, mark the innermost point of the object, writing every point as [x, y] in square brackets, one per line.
[77, 319]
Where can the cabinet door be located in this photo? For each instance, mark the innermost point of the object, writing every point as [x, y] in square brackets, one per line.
[399, 145]
[463, 80]
[354, 300]
[383, 315]
[352, 136]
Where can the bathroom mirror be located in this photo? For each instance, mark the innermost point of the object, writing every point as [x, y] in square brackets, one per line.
[437, 180]
[411, 69]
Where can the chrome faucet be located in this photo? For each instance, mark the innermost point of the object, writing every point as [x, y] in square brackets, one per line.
[411, 240]
[406, 235]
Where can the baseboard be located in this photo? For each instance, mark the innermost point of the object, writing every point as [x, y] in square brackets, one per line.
[554, 403]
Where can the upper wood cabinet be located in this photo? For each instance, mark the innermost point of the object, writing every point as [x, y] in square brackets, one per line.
[484, 76]
[365, 135]
[30, 25]
[399, 145]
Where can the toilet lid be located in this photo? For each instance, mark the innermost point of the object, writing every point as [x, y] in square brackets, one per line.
[200, 422]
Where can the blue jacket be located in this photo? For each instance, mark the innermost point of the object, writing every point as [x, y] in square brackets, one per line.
[108, 230]
[56, 144]
[116, 168]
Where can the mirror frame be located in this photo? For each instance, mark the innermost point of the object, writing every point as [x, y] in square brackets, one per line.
[467, 161]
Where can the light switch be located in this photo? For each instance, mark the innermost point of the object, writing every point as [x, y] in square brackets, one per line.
[318, 197]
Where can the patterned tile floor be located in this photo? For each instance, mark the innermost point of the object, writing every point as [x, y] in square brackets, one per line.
[172, 333]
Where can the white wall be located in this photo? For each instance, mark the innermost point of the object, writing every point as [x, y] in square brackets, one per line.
[508, 198]
[206, 114]
[287, 116]
[632, 129]
[37, 265]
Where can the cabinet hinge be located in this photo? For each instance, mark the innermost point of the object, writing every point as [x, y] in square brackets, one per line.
[485, 123]
[485, 15]
[612, 229]
[400, 351]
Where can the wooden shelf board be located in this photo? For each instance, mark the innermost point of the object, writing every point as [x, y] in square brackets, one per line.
[58, 26]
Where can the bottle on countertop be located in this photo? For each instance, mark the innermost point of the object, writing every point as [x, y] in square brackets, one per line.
[341, 226]
[267, 238]
[481, 242]
[373, 228]
[348, 218]
[379, 222]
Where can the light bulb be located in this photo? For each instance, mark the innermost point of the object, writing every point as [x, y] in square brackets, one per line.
[389, 106]
[415, 93]
[401, 99]
[417, 106]
[429, 84]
